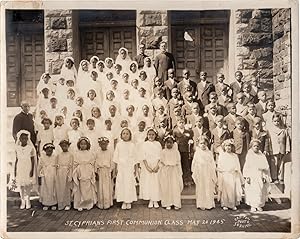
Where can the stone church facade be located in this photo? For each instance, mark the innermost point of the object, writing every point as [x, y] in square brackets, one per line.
[254, 41]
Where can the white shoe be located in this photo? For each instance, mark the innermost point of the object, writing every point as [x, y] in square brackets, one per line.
[168, 208]
[45, 208]
[53, 208]
[234, 209]
[67, 208]
[155, 204]
[150, 205]
[80, 209]
[176, 208]
[128, 205]
[259, 209]
[253, 209]
[124, 206]
[23, 204]
[27, 203]
[225, 208]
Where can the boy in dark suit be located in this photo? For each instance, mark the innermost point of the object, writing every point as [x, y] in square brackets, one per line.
[184, 139]
[170, 83]
[204, 88]
[236, 86]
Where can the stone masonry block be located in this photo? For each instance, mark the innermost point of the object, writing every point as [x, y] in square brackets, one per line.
[47, 23]
[146, 31]
[164, 19]
[56, 45]
[265, 64]
[242, 51]
[262, 53]
[249, 64]
[58, 23]
[256, 39]
[160, 31]
[56, 66]
[254, 25]
[69, 22]
[256, 13]
[153, 20]
[58, 13]
[266, 25]
[245, 13]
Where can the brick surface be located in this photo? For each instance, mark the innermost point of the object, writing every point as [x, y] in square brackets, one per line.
[274, 218]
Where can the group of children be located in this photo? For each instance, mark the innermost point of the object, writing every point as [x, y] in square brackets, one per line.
[112, 126]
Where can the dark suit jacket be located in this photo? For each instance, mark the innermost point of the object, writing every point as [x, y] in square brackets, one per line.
[221, 110]
[203, 92]
[260, 110]
[140, 60]
[264, 138]
[216, 140]
[162, 63]
[182, 139]
[240, 139]
[169, 87]
[205, 132]
[181, 85]
[235, 87]
[24, 121]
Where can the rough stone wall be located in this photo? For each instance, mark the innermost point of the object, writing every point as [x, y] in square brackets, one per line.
[281, 19]
[152, 27]
[58, 39]
[254, 45]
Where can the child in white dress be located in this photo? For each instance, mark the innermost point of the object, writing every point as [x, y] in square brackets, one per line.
[170, 175]
[91, 134]
[149, 179]
[64, 173]
[74, 134]
[45, 135]
[47, 171]
[60, 130]
[125, 158]
[103, 168]
[230, 178]
[204, 174]
[25, 167]
[84, 189]
[257, 174]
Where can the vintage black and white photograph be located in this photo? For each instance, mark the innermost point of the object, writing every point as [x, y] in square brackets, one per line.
[132, 120]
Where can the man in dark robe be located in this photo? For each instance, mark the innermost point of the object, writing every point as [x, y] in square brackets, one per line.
[141, 56]
[24, 121]
[163, 62]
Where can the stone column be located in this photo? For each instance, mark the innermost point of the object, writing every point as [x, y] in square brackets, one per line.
[152, 27]
[254, 45]
[61, 38]
[281, 19]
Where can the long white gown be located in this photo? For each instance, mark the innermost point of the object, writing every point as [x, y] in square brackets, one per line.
[149, 182]
[204, 176]
[171, 178]
[103, 168]
[84, 189]
[229, 180]
[47, 171]
[256, 168]
[63, 179]
[125, 158]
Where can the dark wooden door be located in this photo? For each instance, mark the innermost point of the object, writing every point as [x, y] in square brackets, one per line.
[32, 64]
[213, 50]
[106, 41]
[25, 65]
[207, 52]
[13, 68]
